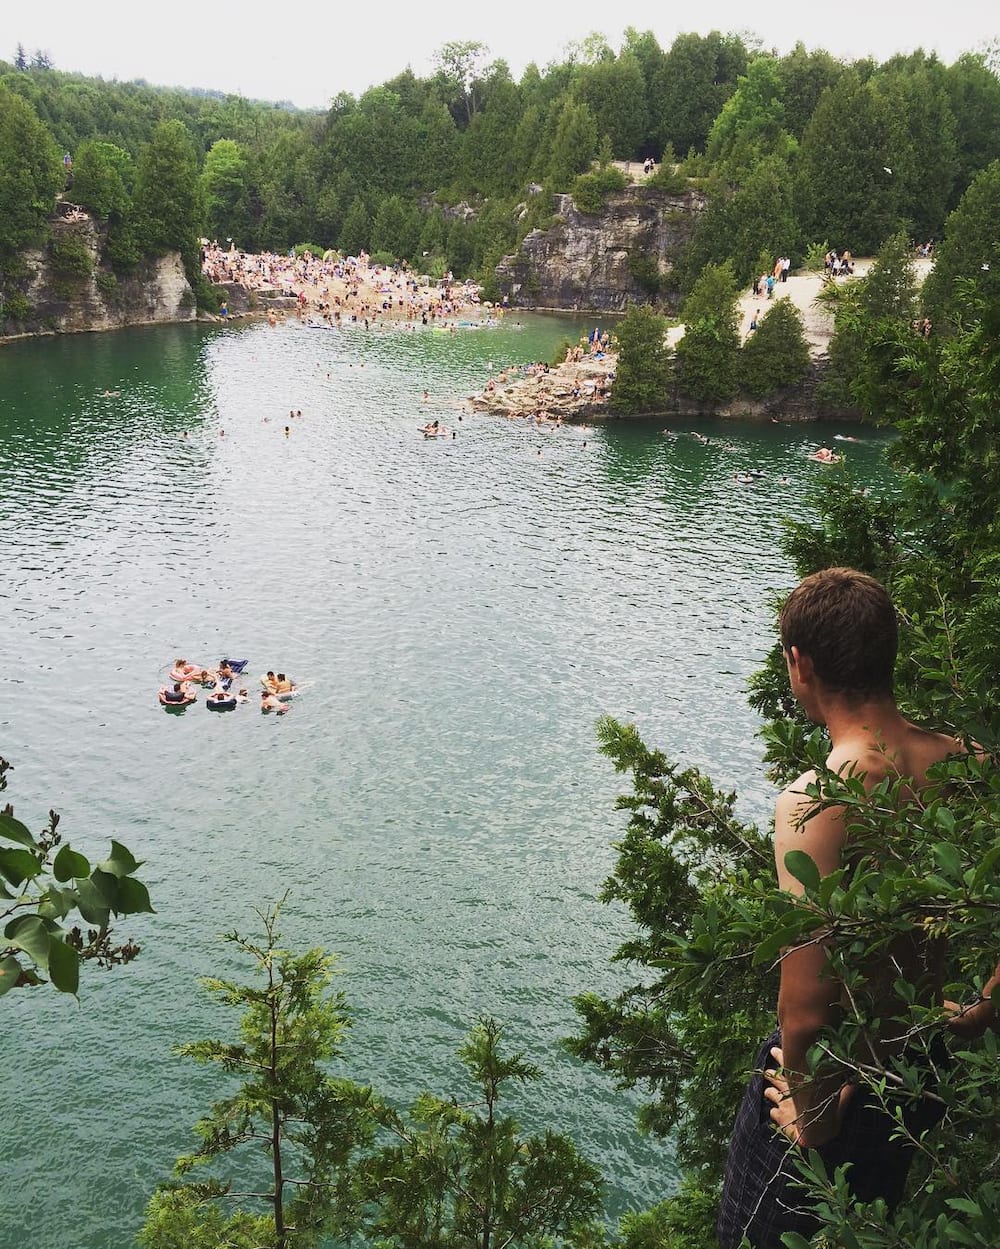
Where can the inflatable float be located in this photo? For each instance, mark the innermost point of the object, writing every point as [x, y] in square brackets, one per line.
[175, 703]
[187, 672]
[221, 704]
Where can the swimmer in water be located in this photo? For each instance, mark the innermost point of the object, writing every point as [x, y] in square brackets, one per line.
[287, 430]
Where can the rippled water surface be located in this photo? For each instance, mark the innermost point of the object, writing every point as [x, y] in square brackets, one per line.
[461, 611]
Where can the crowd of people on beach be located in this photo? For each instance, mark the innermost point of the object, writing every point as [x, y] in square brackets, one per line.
[540, 392]
[336, 290]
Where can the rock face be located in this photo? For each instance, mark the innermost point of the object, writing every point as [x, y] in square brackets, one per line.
[78, 294]
[596, 261]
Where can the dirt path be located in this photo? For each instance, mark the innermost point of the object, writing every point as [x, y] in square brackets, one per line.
[802, 289]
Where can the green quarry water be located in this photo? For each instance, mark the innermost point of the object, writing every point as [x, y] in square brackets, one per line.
[462, 610]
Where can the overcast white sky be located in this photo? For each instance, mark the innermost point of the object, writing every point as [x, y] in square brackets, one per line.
[306, 51]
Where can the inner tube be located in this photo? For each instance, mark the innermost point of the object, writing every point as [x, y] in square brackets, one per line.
[220, 704]
[190, 673]
[180, 704]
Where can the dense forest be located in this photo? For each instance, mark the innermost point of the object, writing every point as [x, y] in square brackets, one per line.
[454, 169]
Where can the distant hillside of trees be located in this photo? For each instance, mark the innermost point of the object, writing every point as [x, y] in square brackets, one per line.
[452, 170]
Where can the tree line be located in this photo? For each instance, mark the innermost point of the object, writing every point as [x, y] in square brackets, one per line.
[450, 171]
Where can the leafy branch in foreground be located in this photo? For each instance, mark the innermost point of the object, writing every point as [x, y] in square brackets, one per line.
[43, 883]
[681, 850]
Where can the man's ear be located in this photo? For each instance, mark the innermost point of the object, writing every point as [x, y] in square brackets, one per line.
[802, 664]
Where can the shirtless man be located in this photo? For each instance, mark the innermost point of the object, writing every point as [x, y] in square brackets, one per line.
[838, 634]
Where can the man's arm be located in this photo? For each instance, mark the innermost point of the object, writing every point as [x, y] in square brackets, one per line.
[972, 1021]
[808, 997]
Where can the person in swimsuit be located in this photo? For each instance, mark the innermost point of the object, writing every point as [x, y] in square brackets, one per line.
[839, 637]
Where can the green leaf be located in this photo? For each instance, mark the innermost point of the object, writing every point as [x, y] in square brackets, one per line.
[91, 904]
[106, 885]
[121, 862]
[10, 973]
[30, 934]
[133, 897]
[64, 966]
[965, 1206]
[801, 866]
[18, 865]
[948, 857]
[68, 865]
[57, 903]
[14, 830]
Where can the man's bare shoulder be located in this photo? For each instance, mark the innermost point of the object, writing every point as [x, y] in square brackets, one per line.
[799, 825]
[907, 754]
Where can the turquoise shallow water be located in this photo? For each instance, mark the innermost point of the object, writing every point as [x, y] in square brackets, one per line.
[462, 611]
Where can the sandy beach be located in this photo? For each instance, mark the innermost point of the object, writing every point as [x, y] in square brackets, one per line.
[338, 290]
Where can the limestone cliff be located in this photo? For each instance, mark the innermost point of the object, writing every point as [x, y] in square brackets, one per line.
[67, 287]
[598, 261]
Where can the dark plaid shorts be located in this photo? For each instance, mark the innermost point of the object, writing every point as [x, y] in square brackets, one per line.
[760, 1196]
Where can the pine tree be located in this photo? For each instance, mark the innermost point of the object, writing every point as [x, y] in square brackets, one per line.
[643, 374]
[708, 354]
[463, 1177]
[302, 1125]
[776, 354]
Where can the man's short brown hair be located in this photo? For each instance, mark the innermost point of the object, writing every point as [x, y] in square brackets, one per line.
[845, 622]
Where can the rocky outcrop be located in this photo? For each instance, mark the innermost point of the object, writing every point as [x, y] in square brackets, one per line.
[68, 288]
[603, 261]
[581, 390]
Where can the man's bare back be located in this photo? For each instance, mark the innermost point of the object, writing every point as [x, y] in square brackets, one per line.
[839, 637]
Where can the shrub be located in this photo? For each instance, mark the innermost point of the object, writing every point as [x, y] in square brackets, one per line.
[559, 354]
[15, 307]
[384, 259]
[106, 283]
[312, 249]
[70, 258]
[591, 190]
[815, 256]
[435, 266]
[645, 271]
[669, 178]
[70, 263]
